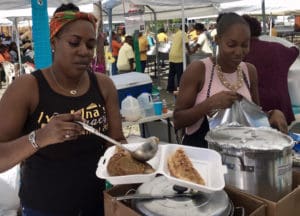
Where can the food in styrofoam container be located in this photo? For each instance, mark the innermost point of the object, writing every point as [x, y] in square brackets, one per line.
[206, 161]
[102, 171]
[122, 163]
[180, 166]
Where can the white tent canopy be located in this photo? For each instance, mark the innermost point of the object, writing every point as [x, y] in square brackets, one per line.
[24, 4]
[274, 7]
[167, 9]
[26, 12]
[5, 22]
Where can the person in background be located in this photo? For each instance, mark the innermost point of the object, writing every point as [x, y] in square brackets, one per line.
[176, 59]
[4, 56]
[143, 48]
[121, 32]
[13, 51]
[216, 82]
[4, 50]
[274, 32]
[203, 44]
[116, 45]
[192, 34]
[126, 57]
[272, 61]
[162, 37]
[59, 159]
[28, 53]
[150, 39]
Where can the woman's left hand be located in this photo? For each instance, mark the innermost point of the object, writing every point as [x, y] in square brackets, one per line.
[277, 120]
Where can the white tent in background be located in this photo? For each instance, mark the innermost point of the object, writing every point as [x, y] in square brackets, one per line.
[26, 12]
[5, 22]
[274, 7]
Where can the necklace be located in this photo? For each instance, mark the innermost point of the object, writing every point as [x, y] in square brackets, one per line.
[71, 91]
[226, 83]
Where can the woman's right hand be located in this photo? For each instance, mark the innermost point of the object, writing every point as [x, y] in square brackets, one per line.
[223, 99]
[60, 128]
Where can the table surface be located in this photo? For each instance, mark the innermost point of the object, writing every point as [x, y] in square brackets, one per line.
[169, 114]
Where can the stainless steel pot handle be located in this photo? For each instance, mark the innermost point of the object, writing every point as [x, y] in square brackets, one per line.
[240, 211]
[232, 166]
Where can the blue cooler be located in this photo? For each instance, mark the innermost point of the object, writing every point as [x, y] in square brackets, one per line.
[132, 83]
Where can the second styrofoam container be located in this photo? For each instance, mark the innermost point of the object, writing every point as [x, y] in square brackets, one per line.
[206, 161]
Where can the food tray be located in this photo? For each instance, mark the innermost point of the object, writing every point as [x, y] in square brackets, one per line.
[207, 162]
[102, 173]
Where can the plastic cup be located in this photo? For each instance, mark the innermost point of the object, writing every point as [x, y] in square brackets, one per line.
[157, 107]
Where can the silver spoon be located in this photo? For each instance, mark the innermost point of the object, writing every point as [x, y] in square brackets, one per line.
[143, 153]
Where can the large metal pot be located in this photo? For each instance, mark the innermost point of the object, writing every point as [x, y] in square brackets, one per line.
[215, 204]
[259, 160]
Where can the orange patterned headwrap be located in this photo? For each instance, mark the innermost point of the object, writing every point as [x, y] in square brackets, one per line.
[62, 18]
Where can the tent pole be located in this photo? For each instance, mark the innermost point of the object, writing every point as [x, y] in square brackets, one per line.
[18, 45]
[110, 35]
[183, 34]
[263, 8]
[156, 47]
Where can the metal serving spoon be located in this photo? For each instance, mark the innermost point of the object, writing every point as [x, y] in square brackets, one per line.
[143, 153]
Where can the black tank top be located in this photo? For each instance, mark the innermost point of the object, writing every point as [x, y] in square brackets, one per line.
[61, 178]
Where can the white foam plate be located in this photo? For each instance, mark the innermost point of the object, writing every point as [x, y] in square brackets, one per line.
[206, 161]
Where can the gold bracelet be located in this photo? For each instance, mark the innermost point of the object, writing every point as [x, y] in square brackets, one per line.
[31, 139]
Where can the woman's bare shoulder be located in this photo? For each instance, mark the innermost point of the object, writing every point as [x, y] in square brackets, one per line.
[106, 84]
[194, 71]
[23, 83]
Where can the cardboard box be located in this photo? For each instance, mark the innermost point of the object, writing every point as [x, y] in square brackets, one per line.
[288, 205]
[252, 206]
[132, 83]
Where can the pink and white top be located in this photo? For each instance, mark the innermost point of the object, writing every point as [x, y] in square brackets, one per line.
[217, 86]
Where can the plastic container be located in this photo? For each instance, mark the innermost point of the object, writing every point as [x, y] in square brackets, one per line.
[208, 163]
[130, 109]
[146, 104]
[133, 83]
[157, 107]
[155, 94]
[164, 106]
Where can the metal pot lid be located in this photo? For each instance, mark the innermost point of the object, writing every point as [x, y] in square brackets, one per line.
[251, 138]
[215, 204]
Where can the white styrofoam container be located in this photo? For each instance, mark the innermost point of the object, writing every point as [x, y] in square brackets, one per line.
[207, 162]
[102, 173]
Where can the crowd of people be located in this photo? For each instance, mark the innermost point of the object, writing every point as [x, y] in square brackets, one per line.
[9, 53]
[58, 158]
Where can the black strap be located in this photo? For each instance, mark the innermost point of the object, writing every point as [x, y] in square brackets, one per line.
[246, 80]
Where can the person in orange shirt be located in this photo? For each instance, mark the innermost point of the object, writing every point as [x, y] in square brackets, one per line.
[144, 47]
[115, 45]
[3, 58]
[4, 54]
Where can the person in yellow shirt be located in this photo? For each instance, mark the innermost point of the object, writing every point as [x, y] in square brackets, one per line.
[192, 34]
[176, 59]
[162, 37]
[273, 30]
[143, 47]
[125, 62]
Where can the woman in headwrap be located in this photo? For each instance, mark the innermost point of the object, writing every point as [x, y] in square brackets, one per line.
[37, 123]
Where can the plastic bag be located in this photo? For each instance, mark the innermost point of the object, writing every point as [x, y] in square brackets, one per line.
[243, 112]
